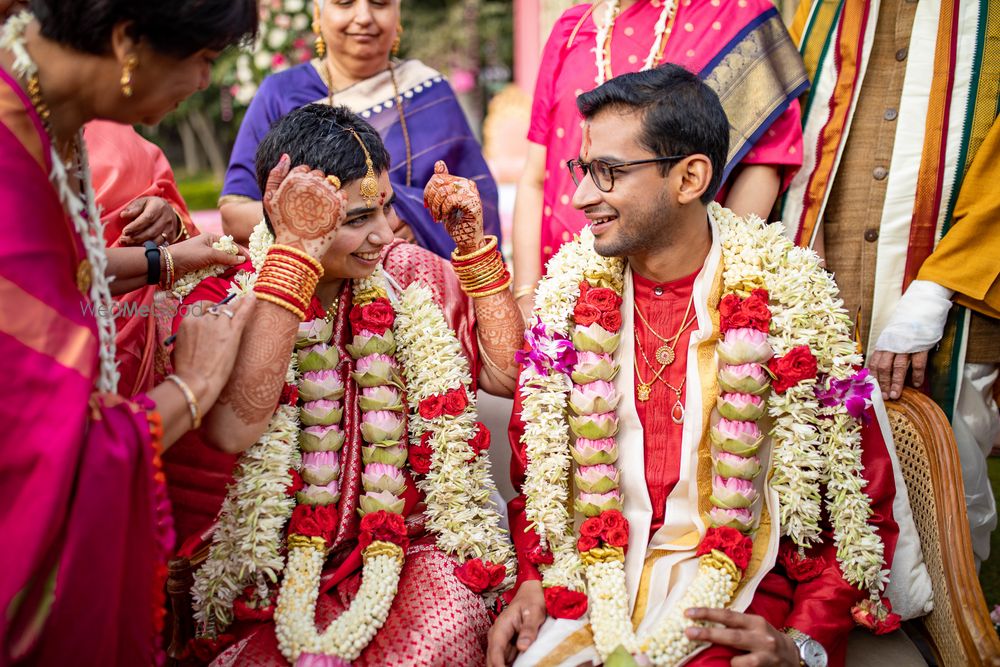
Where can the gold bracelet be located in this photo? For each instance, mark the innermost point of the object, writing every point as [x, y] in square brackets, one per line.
[182, 233]
[496, 290]
[190, 398]
[270, 298]
[168, 280]
[491, 244]
[523, 290]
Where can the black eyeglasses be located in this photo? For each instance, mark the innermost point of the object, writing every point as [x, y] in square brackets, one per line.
[603, 172]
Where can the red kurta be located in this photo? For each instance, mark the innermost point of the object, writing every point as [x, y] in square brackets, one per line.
[821, 607]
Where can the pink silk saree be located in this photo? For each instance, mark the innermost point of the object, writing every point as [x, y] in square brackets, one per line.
[435, 619]
[742, 42]
[85, 520]
[124, 167]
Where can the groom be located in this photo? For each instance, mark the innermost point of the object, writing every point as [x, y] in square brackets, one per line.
[691, 339]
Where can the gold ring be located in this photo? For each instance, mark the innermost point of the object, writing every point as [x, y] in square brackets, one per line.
[334, 181]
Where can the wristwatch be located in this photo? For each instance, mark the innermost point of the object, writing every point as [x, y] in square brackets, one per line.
[811, 652]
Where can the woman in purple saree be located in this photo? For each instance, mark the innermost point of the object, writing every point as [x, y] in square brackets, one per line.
[85, 519]
[411, 106]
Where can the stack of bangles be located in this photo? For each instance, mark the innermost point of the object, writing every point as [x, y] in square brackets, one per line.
[288, 279]
[166, 269]
[482, 273]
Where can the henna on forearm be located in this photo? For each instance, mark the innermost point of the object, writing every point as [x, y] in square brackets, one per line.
[500, 330]
[259, 374]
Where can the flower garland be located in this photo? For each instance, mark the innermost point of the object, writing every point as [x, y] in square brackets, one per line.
[81, 207]
[449, 447]
[186, 283]
[816, 404]
[546, 384]
[314, 521]
[236, 580]
[602, 50]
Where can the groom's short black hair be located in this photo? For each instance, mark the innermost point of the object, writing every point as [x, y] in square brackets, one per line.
[681, 115]
[320, 136]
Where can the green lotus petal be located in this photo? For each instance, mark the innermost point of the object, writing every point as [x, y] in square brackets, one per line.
[331, 417]
[330, 442]
[369, 505]
[585, 427]
[603, 485]
[394, 455]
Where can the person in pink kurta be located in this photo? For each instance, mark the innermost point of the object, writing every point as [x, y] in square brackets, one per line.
[741, 49]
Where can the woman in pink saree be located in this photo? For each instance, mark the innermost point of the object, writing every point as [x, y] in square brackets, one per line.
[85, 521]
[741, 49]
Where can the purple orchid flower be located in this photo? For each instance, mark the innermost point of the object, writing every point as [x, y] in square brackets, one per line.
[854, 393]
[547, 351]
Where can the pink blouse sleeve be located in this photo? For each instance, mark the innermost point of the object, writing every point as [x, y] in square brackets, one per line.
[780, 145]
[548, 72]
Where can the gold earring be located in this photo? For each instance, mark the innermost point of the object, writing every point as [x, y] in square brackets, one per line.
[318, 43]
[131, 60]
[399, 38]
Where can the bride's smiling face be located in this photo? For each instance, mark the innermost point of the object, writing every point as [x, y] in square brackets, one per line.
[363, 235]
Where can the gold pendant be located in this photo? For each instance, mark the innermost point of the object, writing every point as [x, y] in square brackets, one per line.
[83, 277]
[665, 355]
[677, 412]
[642, 391]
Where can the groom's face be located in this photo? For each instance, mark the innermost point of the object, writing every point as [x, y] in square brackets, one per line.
[631, 218]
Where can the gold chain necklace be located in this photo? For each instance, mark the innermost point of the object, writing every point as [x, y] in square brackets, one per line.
[327, 77]
[645, 389]
[665, 353]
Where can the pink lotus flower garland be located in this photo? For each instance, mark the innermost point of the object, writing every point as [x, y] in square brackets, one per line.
[603, 536]
[736, 437]
[383, 423]
[320, 389]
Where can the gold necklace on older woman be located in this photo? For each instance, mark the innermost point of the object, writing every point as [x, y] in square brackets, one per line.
[324, 72]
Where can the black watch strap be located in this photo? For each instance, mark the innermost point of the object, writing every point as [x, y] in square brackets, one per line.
[153, 262]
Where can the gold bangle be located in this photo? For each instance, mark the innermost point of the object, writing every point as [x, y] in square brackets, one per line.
[496, 290]
[168, 277]
[313, 262]
[491, 244]
[190, 398]
[280, 302]
[523, 290]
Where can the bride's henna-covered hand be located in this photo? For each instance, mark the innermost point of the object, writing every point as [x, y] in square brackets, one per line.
[454, 201]
[304, 207]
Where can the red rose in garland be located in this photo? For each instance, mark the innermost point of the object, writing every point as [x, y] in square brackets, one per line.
[539, 556]
[584, 314]
[729, 541]
[314, 521]
[431, 407]
[296, 484]
[289, 395]
[455, 401]
[384, 527]
[420, 455]
[797, 365]
[376, 316]
[585, 543]
[480, 442]
[315, 311]
[751, 312]
[480, 576]
[602, 298]
[612, 321]
[799, 568]
[561, 602]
